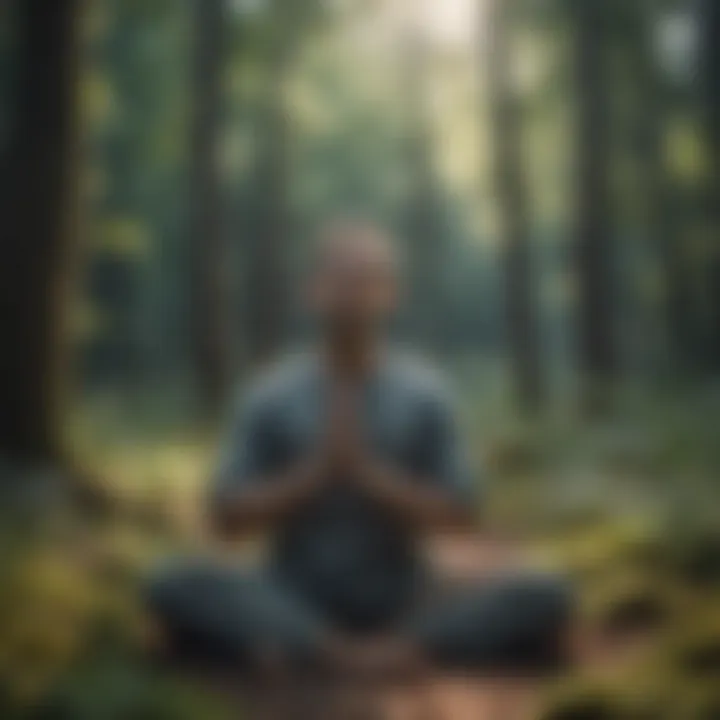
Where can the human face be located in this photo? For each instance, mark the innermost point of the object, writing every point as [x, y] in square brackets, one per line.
[354, 288]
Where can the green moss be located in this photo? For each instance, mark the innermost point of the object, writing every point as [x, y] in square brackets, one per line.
[695, 558]
[642, 610]
[583, 708]
[699, 656]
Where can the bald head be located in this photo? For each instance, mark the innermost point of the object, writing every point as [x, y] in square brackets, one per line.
[352, 242]
[354, 280]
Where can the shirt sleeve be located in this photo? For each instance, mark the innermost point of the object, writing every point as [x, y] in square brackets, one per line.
[441, 452]
[248, 451]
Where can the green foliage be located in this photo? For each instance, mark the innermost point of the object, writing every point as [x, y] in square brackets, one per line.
[123, 689]
[72, 634]
[318, 121]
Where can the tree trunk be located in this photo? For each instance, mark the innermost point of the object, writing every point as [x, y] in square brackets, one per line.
[422, 211]
[422, 234]
[597, 341]
[667, 335]
[210, 323]
[38, 196]
[266, 301]
[521, 296]
[710, 78]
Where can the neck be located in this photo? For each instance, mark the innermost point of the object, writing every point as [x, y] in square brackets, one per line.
[351, 355]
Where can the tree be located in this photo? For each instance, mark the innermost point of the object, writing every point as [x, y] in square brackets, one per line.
[281, 31]
[422, 211]
[521, 297]
[663, 250]
[597, 341]
[709, 23]
[266, 301]
[209, 331]
[136, 277]
[38, 194]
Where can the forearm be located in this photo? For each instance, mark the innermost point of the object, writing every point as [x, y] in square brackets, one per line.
[265, 502]
[416, 502]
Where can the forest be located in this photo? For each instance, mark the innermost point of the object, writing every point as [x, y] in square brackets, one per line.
[550, 170]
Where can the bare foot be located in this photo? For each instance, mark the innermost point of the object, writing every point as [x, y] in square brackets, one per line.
[385, 659]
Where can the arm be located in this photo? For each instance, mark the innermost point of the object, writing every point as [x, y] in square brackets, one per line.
[253, 489]
[436, 491]
[416, 501]
[265, 501]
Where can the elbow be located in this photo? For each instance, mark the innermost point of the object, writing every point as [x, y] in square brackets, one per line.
[461, 520]
[220, 521]
[448, 519]
[230, 521]
[457, 519]
[222, 517]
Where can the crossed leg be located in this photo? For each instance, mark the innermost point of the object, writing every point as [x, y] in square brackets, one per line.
[508, 626]
[246, 622]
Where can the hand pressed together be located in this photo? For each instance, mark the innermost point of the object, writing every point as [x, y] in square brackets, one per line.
[344, 454]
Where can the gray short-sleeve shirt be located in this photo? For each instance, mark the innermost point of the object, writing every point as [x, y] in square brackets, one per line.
[340, 548]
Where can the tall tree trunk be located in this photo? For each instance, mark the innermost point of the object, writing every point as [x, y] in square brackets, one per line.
[266, 281]
[663, 252]
[38, 197]
[710, 78]
[597, 341]
[521, 296]
[210, 324]
[422, 212]
[266, 301]
[421, 228]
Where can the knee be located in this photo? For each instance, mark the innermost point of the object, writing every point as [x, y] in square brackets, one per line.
[550, 597]
[156, 592]
[159, 593]
[559, 598]
[164, 587]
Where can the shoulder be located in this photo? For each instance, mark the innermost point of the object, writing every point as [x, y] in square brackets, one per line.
[419, 380]
[277, 385]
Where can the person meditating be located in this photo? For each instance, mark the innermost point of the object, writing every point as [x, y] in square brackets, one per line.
[348, 456]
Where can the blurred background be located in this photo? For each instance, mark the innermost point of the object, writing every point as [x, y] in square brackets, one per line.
[549, 169]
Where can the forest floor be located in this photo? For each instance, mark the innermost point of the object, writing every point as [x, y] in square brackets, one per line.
[629, 511]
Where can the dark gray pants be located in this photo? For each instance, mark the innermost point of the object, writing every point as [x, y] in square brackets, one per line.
[225, 616]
